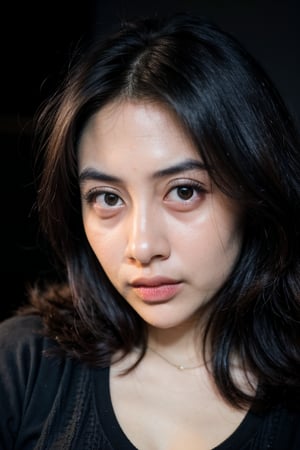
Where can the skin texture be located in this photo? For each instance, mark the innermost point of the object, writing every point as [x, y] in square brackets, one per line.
[167, 240]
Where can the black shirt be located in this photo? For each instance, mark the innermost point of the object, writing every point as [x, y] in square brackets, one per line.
[59, 404]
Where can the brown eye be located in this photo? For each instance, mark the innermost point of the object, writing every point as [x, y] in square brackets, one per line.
[185, 192]
[110, 199]
[186, 195]
[104, 199]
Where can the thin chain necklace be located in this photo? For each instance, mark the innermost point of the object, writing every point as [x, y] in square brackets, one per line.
[177, 366]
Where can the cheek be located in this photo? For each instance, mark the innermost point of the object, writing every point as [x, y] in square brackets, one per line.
[102, 242]
[210, 249]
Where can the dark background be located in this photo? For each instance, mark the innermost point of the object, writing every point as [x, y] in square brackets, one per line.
[36, 41]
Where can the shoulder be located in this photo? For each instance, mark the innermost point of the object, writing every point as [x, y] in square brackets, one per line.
[16, 325]
[25, 355]
[34, 383]
[22, 345]
[28, 354]
[286, 427]
[20, 332]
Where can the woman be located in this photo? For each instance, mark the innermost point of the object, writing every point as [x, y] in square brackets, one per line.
[170, 194]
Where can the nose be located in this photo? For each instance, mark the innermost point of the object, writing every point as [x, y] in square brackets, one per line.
[147, 236]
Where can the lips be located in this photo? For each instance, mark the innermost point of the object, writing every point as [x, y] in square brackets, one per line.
[157, 289]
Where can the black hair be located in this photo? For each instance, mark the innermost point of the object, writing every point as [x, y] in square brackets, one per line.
[247, 139]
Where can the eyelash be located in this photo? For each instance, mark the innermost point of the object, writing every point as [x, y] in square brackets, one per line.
[196, 186]
[92, 194]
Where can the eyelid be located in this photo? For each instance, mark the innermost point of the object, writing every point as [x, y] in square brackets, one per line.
[174, 200]
[180, 182]
[92, 193]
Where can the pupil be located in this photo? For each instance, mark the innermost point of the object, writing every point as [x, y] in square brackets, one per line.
[111, 199]
[185, 192]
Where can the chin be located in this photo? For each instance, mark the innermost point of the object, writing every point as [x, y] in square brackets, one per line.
[165, 323]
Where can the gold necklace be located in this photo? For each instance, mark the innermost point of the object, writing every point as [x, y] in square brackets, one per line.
[177, 366]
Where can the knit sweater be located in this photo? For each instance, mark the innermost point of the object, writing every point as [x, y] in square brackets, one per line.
[52, 403]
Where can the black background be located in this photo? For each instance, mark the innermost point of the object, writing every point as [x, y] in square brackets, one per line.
[37, 39]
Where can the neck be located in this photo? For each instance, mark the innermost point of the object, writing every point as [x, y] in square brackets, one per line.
[181, 345]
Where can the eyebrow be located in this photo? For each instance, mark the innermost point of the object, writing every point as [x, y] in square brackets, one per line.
[189, 164]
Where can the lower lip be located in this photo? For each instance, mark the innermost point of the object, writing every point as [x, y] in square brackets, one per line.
[160, 293]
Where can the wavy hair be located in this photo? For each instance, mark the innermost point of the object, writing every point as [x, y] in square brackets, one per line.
[247, 139]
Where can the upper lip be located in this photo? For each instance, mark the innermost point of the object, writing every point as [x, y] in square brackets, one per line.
[154, 281]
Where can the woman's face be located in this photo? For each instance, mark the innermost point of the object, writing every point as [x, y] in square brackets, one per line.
[165, 236]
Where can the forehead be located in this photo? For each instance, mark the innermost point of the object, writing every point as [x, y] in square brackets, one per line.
[134, 130]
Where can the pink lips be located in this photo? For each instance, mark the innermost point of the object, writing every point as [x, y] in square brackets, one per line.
[158, 289]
